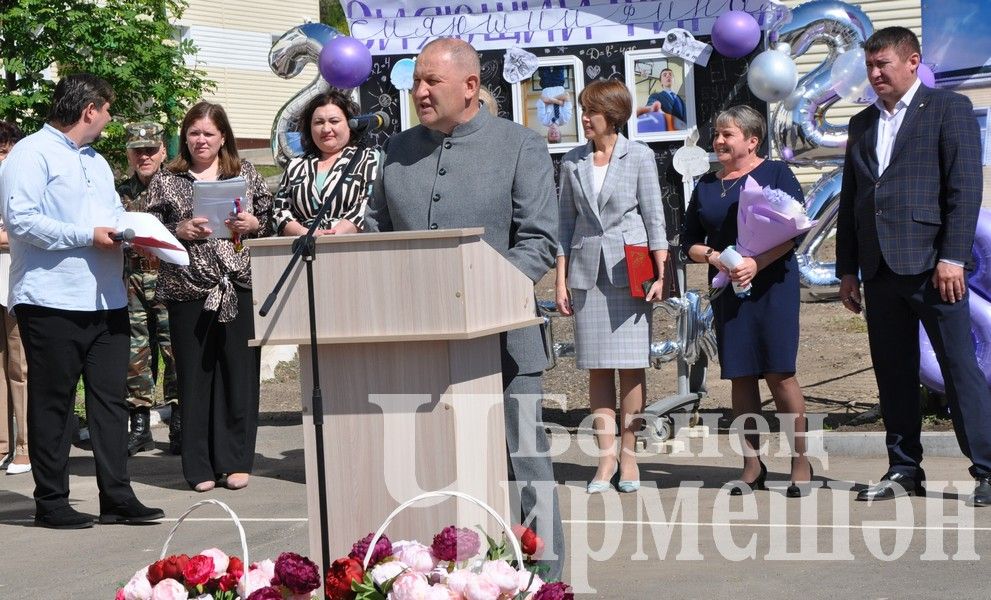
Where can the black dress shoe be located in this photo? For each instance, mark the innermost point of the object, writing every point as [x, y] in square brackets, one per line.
[741, 487]
[893, 485]
[175, 431]
[63, 517]
[129, 512]
[797, 490]
[982, 493]
[139, 439]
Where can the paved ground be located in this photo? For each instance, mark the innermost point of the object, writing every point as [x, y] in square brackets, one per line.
[621, 546]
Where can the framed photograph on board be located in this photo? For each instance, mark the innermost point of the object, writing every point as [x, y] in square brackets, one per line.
[547, 102]
[663, 90]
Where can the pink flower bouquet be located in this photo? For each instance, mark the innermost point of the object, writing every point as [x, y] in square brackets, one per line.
[450, 568]
[212, 575]
[765, 218]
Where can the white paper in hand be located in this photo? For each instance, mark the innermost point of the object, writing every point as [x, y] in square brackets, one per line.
[215, 201]
[148, 225]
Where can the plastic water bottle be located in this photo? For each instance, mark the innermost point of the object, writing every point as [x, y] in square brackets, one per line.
[732, 259]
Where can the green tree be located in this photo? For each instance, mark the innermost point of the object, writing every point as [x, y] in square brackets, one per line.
[130, 43]
[332, 13]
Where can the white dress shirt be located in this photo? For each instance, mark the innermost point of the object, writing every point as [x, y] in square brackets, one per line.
[53, 194]
[889, 124]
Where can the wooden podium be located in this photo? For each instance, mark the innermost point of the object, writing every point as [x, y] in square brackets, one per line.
[408, 328]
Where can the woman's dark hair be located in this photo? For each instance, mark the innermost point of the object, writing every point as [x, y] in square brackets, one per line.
[339, 99]
[610, 98]
[230, 162]
[10, 133]
[74, 93]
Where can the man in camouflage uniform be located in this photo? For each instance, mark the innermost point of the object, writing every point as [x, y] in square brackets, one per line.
[149, 318]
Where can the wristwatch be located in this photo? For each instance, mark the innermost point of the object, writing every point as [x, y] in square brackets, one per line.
[708, 253]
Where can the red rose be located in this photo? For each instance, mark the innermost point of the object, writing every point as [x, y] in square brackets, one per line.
[198, 570]
[227, 582]
[340, 576]
[169, 567]
[530, 542]
[235, 567]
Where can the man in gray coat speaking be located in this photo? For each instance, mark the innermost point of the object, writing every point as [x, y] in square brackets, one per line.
[462, 167]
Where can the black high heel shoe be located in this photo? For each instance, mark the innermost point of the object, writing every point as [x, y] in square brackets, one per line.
[747, 487]
[797, 490]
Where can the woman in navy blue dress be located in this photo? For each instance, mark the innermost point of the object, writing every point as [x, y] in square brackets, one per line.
[757, 334]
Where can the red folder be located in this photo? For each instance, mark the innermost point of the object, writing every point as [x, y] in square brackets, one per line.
[140, 240]
[639, 268]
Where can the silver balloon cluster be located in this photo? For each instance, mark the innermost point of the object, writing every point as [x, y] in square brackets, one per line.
[694, 323]
[287, 58]
[695, 333]
[799, 129]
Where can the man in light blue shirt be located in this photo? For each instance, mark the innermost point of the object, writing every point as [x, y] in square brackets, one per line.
[67, 292]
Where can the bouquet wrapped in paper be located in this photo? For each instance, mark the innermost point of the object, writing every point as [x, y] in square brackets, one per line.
[766, 217]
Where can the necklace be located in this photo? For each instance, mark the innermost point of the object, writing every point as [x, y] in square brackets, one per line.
[737, 180]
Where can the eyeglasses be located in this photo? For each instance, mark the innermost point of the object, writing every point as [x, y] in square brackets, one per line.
[150, 151]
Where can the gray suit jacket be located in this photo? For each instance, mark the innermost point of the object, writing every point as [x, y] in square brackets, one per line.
[490, 173]
[628, 210]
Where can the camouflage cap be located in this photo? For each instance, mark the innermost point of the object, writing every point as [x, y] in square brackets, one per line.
[144, 134]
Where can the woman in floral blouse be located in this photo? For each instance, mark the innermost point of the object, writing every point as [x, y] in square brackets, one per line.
[209, 302]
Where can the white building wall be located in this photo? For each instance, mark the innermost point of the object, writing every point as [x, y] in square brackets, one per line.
[234, 38]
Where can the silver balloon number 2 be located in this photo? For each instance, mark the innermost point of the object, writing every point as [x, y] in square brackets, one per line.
[287, 58]
[800, 131]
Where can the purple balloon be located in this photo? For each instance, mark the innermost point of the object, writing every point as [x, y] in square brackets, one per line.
[979, 282]
[926, 75]
[735, 34]
[345, 62]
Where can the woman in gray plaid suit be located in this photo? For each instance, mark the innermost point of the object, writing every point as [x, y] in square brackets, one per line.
[610, 197]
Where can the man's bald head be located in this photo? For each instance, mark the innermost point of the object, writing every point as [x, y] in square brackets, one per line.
[446, 81]
[462, 55]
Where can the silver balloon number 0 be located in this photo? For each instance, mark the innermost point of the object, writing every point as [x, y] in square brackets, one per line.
[799, 128]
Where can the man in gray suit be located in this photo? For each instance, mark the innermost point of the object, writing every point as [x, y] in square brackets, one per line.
[462, 167]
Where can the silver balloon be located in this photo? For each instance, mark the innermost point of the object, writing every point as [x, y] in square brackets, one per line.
[287, 58]
[822, 203]
[772, 76]
[799, 129]
[695, 333]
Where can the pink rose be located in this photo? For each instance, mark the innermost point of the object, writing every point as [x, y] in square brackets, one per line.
[529, 581]
[220, 561]
[500, 573]
[169, 589]
[440, 592]
[120, 594]
[482, 588]
[409, 586]
[266, 566]
[418, 557]
[260, 575]
[138, 588]
[458, 580]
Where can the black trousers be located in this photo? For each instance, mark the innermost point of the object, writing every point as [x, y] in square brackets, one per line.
[217, 376]
[61, 345]
[896, 304]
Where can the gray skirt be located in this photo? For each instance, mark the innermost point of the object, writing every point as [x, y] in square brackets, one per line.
[612, 329]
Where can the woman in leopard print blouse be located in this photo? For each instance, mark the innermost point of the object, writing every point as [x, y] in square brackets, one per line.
[209, 302]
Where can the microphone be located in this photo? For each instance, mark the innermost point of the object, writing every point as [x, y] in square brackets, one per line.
[123, 236]
[370, 122]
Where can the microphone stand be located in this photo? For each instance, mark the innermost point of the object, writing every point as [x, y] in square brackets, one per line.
[305, 247]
